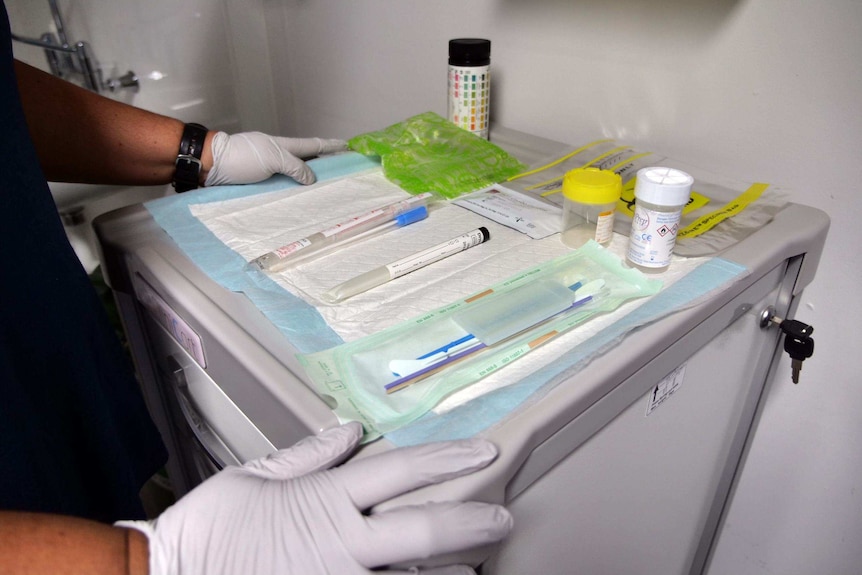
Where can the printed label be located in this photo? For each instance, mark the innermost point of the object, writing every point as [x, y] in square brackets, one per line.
[709, 221]
[665, 388]
[352, 223]
[291, 248]
[170, 320]
[515, 210]
[605, 227]
[469, 98]
[653, 237]
[433, 254]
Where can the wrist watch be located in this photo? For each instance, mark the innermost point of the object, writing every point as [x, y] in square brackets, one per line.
[188, 164]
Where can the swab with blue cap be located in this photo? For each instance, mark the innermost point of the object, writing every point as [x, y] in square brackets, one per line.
[382, 219]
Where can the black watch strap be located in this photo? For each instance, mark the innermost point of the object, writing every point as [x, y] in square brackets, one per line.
[188, 164]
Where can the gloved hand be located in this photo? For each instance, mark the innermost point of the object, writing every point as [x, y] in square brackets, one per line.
[250, 157]
[289, 514]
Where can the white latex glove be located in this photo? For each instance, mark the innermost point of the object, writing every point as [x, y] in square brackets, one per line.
[251, 157]
[289, 514]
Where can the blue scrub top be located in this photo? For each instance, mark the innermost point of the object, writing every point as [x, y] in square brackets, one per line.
[75, 435]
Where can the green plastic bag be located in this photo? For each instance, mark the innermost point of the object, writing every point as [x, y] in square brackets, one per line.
[427, 153]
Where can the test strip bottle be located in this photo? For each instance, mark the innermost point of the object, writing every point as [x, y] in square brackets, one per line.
[470, 84]
[660, 195]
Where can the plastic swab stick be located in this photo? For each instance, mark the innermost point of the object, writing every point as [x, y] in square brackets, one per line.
[586, 293]
[399, 366]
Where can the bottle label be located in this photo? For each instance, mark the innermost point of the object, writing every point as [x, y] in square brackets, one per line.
[434, 254]
[653, 237]
[292, 248]
[605, 227]
[469, 98]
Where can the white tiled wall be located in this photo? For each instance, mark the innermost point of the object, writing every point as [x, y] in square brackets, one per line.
[200, 61]
[182, 52]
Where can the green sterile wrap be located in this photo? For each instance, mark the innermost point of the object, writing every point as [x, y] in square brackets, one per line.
[352, 377]
[427, 153]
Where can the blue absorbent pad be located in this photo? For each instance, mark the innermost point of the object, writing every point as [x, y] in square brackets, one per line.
[299, 322]
[306, 330]
[473, 417]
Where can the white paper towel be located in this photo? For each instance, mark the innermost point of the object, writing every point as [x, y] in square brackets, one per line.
[257, 224]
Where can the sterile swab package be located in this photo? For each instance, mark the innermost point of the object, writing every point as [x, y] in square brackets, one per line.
[353, 377]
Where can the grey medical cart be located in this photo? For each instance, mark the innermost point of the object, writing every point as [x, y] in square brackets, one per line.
[594, 483]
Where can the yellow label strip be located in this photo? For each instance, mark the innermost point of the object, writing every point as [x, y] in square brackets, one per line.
[478, 295]
[542, 339]
[712, 219]
[601, 157]
[626, 205]
[545, 183]
[630, 159]
[593, 161]
[558, 161]
[613, 168]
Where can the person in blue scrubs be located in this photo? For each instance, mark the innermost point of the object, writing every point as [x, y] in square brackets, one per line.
[75, 435]
[76, 441]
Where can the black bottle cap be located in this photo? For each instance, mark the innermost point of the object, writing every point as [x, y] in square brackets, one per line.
[469, 52]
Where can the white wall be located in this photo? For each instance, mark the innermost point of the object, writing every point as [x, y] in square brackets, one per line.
[197, 60]
[762, 90]
[192, 58]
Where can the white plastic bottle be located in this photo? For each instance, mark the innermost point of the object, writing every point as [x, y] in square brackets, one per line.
[470, 84]
[660, 195]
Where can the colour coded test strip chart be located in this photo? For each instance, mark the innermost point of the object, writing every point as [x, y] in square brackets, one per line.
[469, 98]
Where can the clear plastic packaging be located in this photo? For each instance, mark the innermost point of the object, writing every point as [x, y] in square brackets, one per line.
[354, 377]
[590, 200]
[496, 319]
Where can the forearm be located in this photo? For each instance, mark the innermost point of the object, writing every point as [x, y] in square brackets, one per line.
[42, 543]
[83, 137]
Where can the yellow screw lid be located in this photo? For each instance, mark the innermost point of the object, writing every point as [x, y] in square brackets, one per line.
[592, 186]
